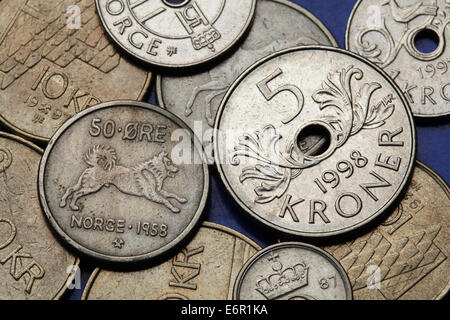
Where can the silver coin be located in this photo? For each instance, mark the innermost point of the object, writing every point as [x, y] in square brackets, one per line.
[278, 24]
[175, 34]
[116, 183]
[292, 271]
[272, 162]
[386, 32]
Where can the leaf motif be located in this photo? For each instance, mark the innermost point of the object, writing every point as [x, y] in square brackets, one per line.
[361, 105]
[378, 115]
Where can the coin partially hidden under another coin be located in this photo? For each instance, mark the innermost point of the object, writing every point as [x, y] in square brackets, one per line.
[55, 61]
[33, 265]
[389, 33]
[176, 34]
[406, 257]
[204, 270]
[292, 271]
[123, 181]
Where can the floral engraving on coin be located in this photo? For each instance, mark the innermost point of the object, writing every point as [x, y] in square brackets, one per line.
[5, 159]
[143, 180]
[284, 280]
[434, 19]
[345, 113]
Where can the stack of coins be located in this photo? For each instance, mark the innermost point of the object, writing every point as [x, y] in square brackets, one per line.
[262, 163]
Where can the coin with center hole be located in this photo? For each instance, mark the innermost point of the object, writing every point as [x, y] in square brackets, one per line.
[203, 270]
[33, 265]
[55, 61]
[278, 24]
[410, 41]
[292, 271]
[136, 186]
[174, 33]
[406, 256]
[314, 141]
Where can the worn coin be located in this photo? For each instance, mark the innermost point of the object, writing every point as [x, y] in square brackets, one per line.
[204, 270]
[137, 183]
[33, 265]
[292, 271]
[388, 33]
[406, 257]
[55, 61]
[314, 141]
[176, 34]
[278, 24]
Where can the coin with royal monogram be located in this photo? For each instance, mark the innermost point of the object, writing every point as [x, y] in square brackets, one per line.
[176, 33]
[391, 34]
[33, 264]
[55, 61]
[123, 181]
[292, 271]
[205, 269]
[278, 24]
[406, 256]
[314, 141]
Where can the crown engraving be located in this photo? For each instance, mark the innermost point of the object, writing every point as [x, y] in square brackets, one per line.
[201, 31]
[283, 280]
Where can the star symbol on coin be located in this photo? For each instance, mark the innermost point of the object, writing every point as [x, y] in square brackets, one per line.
[118, 243]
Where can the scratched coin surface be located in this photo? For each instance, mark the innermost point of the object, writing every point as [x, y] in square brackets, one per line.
[314, 141]
[278, 24]
[406, 257]
[137, 183]
[204, 270]
[174, 33]
[55, 61]
[292, 271]
[389, 34]
[33, 265]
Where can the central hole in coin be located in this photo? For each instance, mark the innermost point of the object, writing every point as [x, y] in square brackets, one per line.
[314, 140]
[426, 41]
[176, 3]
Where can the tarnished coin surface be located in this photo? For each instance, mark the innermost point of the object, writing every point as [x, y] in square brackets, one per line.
[55, 61]
[33, 265]
[136, 186]
[278, 24]
[406, 257]
[292, 271]
[314, 141]
[387, 33]
[204, 270]
[176, 33]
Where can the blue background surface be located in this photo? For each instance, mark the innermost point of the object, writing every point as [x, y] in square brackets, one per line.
[432, 147]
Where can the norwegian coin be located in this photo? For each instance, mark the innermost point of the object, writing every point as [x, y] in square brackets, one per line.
[175, 33]
[55, 61]
[278, 24]
[33, 265]
[406, 257]
[205, 269]
[387, 33]
[137, 183]
[292, 271]
[314, 141]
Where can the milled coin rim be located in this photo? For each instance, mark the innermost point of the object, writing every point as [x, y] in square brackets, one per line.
[445, 187]
[288, 3]
[205, 224]
[341, 231]
[63, 289]
[301, 245]
[347, 46]
[90, 252]
[180, 66]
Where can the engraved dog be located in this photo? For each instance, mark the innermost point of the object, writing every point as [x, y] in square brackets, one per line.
[143, 180]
